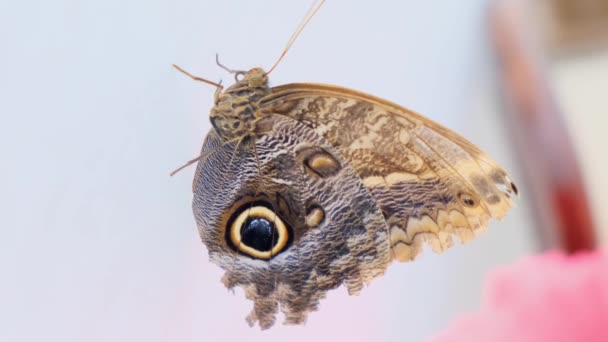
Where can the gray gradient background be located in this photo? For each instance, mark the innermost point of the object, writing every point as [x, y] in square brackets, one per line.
[99, 244]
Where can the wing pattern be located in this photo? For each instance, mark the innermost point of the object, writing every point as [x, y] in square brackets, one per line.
[429, 182]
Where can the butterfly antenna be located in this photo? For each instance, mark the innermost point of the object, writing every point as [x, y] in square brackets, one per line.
[237, 73]
[314, 8]
[217, 85]
[217, 61]
[204, 155]
[188, 163]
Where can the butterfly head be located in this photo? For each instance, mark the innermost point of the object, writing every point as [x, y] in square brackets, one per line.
[255, 77]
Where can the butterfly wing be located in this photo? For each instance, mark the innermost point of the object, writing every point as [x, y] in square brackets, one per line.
[336, 231]
[429, 182]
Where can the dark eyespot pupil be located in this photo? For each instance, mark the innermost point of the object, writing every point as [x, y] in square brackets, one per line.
[469, 202]
[259, 233]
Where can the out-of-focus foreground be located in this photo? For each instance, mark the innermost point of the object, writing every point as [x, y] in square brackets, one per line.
[552, 58]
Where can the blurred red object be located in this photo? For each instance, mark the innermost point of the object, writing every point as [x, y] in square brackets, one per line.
[551, 297]
[544, 145]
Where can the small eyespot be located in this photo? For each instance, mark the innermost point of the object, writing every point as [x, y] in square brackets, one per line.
[259, 233]
[514, 188]
[314, 216]
[467, 200]
[322, 164]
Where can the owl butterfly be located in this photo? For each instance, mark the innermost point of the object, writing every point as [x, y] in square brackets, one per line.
[301, 188]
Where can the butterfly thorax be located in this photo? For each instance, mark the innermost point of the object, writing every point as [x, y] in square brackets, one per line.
[235, 108]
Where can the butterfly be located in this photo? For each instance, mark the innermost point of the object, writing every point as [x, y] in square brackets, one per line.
[302, 188]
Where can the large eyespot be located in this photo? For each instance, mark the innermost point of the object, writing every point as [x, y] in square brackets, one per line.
[258, 232]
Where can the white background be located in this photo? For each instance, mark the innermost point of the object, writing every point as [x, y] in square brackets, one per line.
[98, 243]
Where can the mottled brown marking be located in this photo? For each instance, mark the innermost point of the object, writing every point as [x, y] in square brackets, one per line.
[284, 107]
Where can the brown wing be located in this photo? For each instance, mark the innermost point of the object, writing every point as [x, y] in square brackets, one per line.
[288, 175]
[429, 181]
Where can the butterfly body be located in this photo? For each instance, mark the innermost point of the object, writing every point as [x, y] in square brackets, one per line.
[234, 111]
[305, 187]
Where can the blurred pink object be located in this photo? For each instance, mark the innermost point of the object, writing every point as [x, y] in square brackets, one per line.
[549, 297]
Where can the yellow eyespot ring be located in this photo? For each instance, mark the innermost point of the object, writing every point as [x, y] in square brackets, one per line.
[264, 213]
